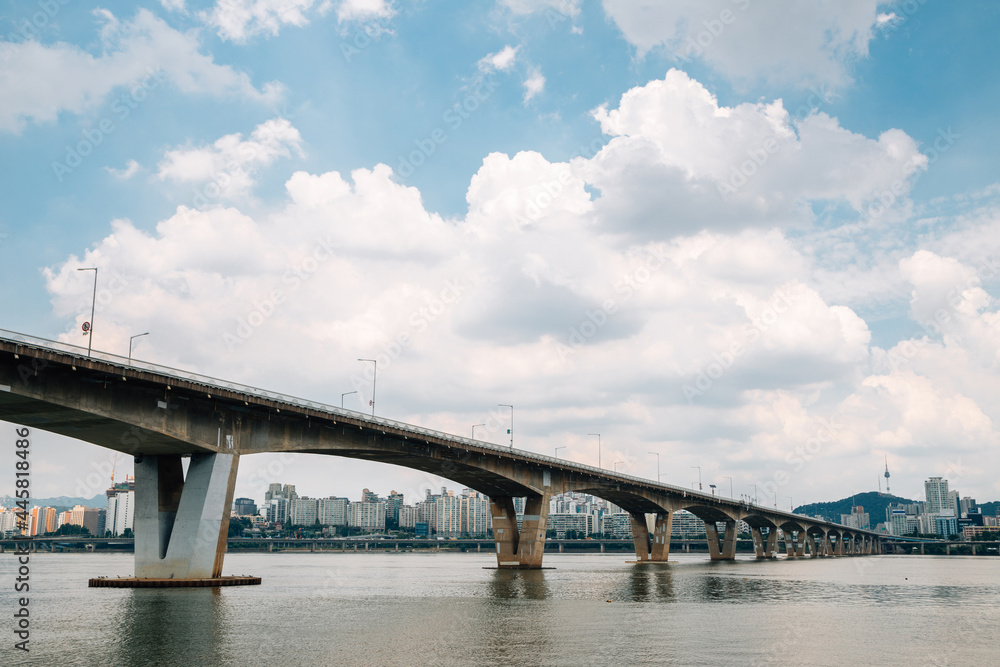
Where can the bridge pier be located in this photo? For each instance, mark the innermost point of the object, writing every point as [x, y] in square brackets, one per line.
[520, 549]
[725, 550]
[765, 547]
[811, 543]
[789, 539]
[657, 547]
[181, 524]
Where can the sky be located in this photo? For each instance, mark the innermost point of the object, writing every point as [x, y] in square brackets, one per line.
[753, 242]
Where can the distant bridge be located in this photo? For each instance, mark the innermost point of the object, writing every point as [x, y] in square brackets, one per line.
[159, 415]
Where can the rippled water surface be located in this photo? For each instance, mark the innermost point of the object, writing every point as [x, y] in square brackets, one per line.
[446, 609]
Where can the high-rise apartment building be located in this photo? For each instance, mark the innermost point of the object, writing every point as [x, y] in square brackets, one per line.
[304, 511]
[367, 516]
[333, 511]
[936, 493]
[392, 505]
[43, 520]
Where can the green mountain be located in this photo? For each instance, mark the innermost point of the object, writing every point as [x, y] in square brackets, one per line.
[873, 502]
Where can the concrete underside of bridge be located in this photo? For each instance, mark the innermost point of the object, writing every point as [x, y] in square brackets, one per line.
[181, 524]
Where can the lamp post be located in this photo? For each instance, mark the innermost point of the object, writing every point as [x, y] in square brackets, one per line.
[791, 505]
[511, 431]
[93, 304]
[657, 466]
[474, 430]
[699, 476]
[616, 465]
[754, 493]
[730, 486]
[557, 450]
[346, 393]
[374, 377]
[131, 338]
[598, 448]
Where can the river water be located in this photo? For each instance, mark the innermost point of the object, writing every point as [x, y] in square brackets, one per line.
[449, 609]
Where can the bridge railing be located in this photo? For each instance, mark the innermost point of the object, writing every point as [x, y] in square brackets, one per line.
[210, 383]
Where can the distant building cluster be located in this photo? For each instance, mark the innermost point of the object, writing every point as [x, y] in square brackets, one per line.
[112, 520]
[444, 514]
[42, 520]
[941, 513]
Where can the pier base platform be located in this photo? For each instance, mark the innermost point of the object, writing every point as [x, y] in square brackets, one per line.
[132, 582]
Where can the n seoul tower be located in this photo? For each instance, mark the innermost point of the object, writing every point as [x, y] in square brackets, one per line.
[887, 475]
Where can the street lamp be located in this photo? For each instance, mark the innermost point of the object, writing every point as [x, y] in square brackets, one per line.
[474, 430]
[730, 486]
[557, 450]
[754, 493]
[374, 377]
[131, 338]
[346, 393]
[791, 505]
[616, 465]
[598, 448]
[93, 304]
[511, 431]
[657, 466]
[699, 476]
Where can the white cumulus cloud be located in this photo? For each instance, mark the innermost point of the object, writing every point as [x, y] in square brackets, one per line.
[61, 77]
[231, 161]
[782, 42]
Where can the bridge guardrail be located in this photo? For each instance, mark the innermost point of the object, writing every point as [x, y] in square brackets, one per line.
[216, 383]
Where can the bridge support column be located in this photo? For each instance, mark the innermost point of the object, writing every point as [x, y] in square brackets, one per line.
[789, 538]
[657, 546]
[765, 547]
[813, 548]
[181, 524]
[726, 550]
[800, 544]
[520, 549]
[661, 536]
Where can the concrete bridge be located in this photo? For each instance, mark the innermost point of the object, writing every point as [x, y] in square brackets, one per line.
[159, 415]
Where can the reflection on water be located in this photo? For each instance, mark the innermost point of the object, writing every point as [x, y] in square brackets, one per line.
[446, 609]
[512, 584]
[196, 619]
